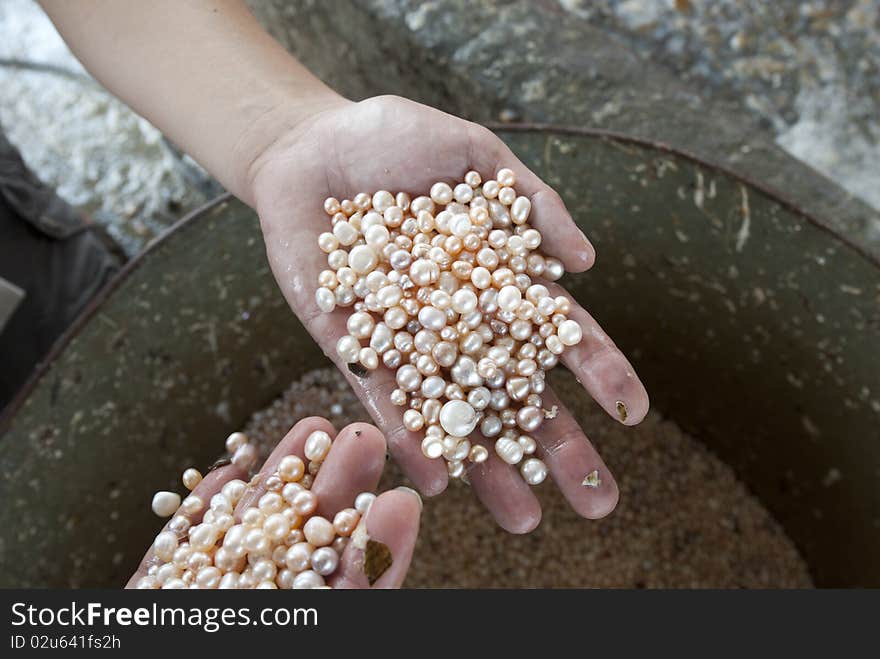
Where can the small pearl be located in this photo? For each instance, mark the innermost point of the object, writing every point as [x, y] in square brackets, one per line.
[478, 454]
[570, 333]
[348, 348]
[509, 450]
[441, 193]
[345, 521]
[553, 269]
[165, 504]
[328, 242]
[506, 177]
[298, 557]
[360, 325]
[519, 213]
[528, 444]
[308, 579]
[235, 441]
[529, 418]
[305, 502]
[506, 195]
[408, 378]
[324, 561]
[291, 468]
[318, 531]
[245, 457]
[432, 448]
[383, 200]
[533, 471]
[369, 358]
[363, 501]
[317, 446]
[509, 298]
[164, 545]
[473, 178]
[413, 420]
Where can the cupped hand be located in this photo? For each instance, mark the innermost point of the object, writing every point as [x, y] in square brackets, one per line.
[353, 465]
[389, 143]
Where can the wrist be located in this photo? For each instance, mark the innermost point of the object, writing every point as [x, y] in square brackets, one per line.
[277, 122]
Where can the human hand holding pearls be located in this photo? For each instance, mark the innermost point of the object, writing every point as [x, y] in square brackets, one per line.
[307, 518]
[370, 166]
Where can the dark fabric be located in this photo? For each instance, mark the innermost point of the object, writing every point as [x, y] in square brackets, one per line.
[47, 250]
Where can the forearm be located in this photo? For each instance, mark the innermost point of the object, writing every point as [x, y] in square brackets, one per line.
[204, 72]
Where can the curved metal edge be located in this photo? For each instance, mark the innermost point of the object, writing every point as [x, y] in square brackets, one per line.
[91, 308]
[769, 191]
[95, 303]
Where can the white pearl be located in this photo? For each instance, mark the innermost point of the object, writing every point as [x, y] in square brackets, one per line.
[369, 358]
[298, 557]
[529, 418]
[460, 225]
[348, 348]
[506, 177]
[360, 325]
[458, 418]
[433, 386]
[432, 448]
[408, 378]
[570, 333]
[235, 441]
[191, 478]
[245, 457]
[308, 579]
[363, 501]
[319, 531]
[509, 298]
[317, 446]
[519, 212]
[377, 236]
[481, 277]
[424, 272]
[413, 420]
[389, 296]
[441, 193]
[509, 450]
[165, 504]
[324, 561]
[362, 259]
[533, 471]
[381, 338]
[383, 200]
[464, 301]
[432, 318]
[328, 242]
[553, 269]
[164, 545]
[345, 233]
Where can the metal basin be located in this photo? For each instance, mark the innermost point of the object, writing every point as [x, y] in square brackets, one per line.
[754, 327]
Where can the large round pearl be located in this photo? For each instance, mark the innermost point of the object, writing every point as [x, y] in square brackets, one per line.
[360, 325]
[570, 333]
[533, 471]
[441, 193]
[529, 418]
[432, 318]
[325, 561]
[165, 504]
[319, 531]
[458, 418]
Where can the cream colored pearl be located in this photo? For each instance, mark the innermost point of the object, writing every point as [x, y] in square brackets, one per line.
[509, 450]
[165, 504]
[481, 278]
[473, 178]
[506, 195]
[235, 441]
[345, 521]
[509, 298]
[291, 468]
[478, 454]
[441, 193]
[432, 318]
[553, 269]
[570, 333]
[506, 177]
[305, 502]
[348, 348]
[360, 325]
[458, 418]
[363, 501]
[345, 233]
[325, 299]
[368, 358]
[317, 446]
[383, 200]
[307, 580]
[164, 545]
[533, 471]
[490, 189]
[328, 242]
[362, 259]
[520, 209]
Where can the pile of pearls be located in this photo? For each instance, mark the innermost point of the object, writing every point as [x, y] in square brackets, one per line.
[441, 292]
[278, 543]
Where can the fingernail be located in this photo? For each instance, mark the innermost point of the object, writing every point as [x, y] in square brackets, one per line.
[404, 488]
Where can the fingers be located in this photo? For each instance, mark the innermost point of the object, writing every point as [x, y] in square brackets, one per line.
[602, 369]
[354, 465]
[392, 520]
[571, 459]
[210, 485]
[374, 390]
[292, 444]
[500, 488]
[561, 236]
